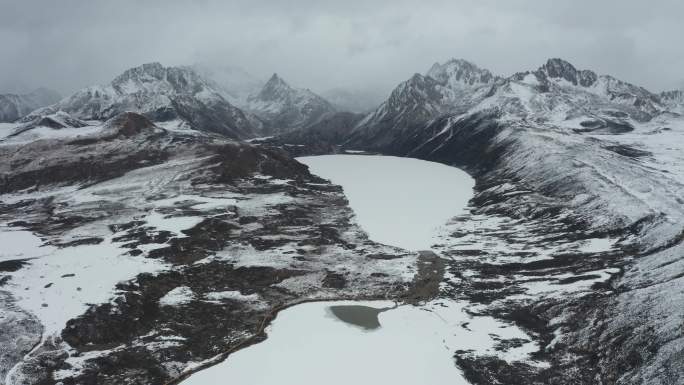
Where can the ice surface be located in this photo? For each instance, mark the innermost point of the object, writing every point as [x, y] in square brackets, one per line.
[20, 244]
[308, 345]
[397, 201]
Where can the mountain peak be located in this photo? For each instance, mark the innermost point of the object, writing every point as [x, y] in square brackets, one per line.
[457, 73]
[557, 68]
[275, 88]
[152, 69]
[276, 80]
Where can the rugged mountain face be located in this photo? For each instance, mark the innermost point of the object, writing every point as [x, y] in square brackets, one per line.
[14, 107]
[453, 86]
[285, 108]
[163, 94]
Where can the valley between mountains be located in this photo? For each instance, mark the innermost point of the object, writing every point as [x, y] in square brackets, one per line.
[153, 226]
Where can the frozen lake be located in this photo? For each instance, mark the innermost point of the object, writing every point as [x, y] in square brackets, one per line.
[322, 342]
[397, 201]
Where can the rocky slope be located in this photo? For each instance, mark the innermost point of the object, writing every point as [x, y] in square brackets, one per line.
[14, 107]
[174, 96]
[577, 221]
[144, 254]
[285, 108]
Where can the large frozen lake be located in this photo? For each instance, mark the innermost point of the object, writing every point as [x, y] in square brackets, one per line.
[397, 201]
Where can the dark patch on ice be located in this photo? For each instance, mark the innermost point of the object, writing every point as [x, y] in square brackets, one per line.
[578, 278]
[383, 256]
[365, 317]
[81, 242]
[13, 265]
[628, 151]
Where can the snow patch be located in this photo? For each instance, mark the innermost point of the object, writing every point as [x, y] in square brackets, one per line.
[182, 295]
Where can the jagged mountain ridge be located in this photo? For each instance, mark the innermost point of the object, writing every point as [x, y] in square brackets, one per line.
[556, 91]
[14, 107]
[285, 108]
[162, 94]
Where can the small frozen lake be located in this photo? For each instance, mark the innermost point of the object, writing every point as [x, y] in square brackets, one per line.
[398, 201]
[357, 342]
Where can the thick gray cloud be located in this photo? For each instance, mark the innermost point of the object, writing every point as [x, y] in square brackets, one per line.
[321, 44]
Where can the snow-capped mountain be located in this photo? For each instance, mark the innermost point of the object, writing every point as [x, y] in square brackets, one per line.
[557, 92]
[642, 105]
[163, 94]
[451, 87]
[285, 108]
[14, 107]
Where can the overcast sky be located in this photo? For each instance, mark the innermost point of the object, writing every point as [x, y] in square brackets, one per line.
[324, 44]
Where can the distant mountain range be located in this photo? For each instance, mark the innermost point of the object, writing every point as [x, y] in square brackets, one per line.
[193, 98]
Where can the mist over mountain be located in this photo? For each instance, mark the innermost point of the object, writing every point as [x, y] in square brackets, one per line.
[14, 107]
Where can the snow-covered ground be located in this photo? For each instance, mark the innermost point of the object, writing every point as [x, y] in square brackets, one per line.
[307, 344]
[398, 201]
[59, 284]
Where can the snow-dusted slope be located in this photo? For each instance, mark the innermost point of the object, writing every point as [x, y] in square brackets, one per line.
[597, 154]
[13, 107]
[162, 94]
[139, 254]
[285, 108]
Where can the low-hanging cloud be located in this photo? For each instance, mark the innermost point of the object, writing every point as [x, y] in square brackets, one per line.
[323, 44]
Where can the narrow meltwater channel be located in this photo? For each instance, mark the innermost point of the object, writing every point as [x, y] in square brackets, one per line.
[400, 202]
